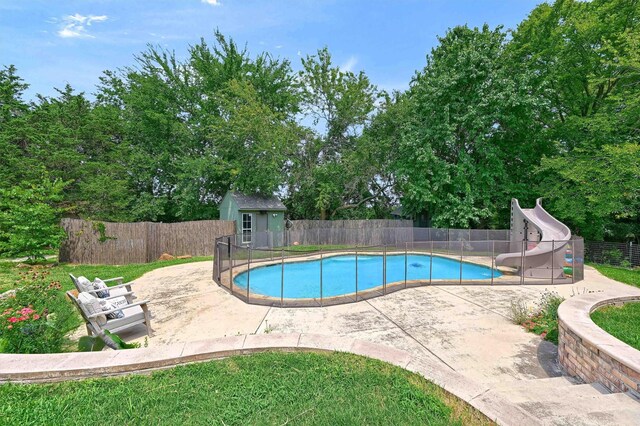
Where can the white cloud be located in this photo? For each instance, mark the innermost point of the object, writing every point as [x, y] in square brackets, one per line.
[212, 2]
[350, 64]
[76, 25]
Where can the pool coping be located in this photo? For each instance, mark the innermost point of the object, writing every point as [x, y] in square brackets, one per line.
[44, 368]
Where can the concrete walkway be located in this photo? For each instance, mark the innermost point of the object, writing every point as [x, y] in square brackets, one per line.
[464, 328]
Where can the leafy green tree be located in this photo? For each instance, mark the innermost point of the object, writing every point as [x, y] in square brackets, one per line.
[596, 191]
[585, 57]
[29, 218]
[464, 145]
[197, 128]
[326, 176]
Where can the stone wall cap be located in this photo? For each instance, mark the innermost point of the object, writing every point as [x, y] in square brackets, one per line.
[575, 314]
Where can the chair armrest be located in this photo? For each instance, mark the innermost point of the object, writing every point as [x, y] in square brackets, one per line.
[144, 302]
[114, 279]
[94, 292]
[121, 285]
[128, 293]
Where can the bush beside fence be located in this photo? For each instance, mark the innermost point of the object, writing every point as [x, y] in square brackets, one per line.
[141, 242]
[609, 253]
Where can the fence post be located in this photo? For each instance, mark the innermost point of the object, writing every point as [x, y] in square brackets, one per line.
[231, 269]
[493, 258]
[216, 270]
[248, 273]
[282, 279]
[461, 255]
[553, 260]
[524, 243]
[321, 301]
[405, 264]
[431, 263]
[356, 273]
[573, 261]
[384, 269]
[147, 245]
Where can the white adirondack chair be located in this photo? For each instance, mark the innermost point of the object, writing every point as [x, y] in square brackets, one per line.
[134, 314]
[120, 289]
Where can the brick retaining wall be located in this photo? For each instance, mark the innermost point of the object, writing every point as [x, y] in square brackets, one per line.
[588, 352]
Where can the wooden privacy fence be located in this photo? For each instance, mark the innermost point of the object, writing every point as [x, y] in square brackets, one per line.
[121, 243]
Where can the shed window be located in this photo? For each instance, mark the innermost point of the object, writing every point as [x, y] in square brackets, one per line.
[247, 219]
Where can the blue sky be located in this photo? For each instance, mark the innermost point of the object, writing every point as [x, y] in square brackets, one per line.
[55, 42]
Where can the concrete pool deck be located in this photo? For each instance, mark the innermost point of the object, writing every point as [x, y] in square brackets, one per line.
[465, 328]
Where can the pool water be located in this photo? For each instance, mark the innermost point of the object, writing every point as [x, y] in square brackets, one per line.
[302, 279]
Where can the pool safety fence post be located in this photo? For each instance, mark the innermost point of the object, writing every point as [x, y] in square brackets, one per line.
[282, 279]
[553, 258]
[248, 271]
[461, 254]
[231, 268]
[356, 273]
[321, 301]
[405, 264]
[573, 261]
[493, 258]
[431, 262]
[522, 250]
[384, 269]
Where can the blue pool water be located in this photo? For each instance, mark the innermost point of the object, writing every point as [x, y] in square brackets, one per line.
[302, 279]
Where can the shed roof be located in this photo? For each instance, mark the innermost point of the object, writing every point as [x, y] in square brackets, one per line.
[257, 202]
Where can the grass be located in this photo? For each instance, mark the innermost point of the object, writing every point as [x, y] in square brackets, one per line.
[266, 388]
[9, 271]
[622, 322]
[624, 275]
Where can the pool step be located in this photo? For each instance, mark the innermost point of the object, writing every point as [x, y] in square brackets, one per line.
[562, 400]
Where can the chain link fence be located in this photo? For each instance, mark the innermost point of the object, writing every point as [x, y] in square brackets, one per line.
[616, 254]
[279, 270]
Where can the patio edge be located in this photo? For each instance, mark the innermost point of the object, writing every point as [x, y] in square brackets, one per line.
[81, 365]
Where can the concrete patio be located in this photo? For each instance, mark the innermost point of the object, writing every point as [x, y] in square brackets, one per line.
[464, 328]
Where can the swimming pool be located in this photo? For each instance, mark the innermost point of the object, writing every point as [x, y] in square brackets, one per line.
[302, 278]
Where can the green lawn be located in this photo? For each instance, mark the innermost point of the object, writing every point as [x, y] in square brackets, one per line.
[622, 322]
[9, 271]
[266, 389]
[624, 275]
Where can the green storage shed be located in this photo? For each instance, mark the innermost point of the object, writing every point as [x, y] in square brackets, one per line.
[259, 219]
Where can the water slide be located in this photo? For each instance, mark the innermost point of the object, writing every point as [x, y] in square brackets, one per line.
[543, 239]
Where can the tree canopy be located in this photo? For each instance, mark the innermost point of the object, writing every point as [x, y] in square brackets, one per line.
[550, 109]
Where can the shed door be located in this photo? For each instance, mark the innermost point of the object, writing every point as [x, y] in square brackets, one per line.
[261, 222]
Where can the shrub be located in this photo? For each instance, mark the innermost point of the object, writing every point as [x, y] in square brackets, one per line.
[520, 312]
[544, 321]
[612, 257]
[29, 219]
[549, 303]
[37, 318]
